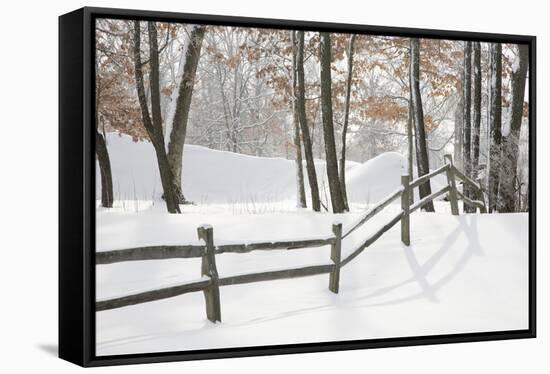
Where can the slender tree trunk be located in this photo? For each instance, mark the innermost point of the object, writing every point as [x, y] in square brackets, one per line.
[182, 105]
[467, 128]
[476, 106]
[154, 77]
[421, 148]
[328, 125]
[342, 174]
[154, 126]
[509, 179]
[300, 189]
[459, 136]
[105, 171]
[410, 145]
[495, 123]
[301, 102]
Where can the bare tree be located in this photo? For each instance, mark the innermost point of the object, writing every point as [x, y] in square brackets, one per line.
[476, 108]
[328, 125]
[467, 124]
[301, 102]
[410, 142]
[349, 78]
[103, 155]
[495, 122]
[105, 171]
[420, 134]
[459, 136]
[509, 181]
[241, 100]
[300, 189]
[183, 97]
[153, 124]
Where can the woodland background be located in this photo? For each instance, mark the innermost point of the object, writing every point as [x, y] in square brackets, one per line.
[305, 95]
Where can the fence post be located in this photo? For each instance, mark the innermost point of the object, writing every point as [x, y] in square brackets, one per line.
[335, 255]
[208, 268]
[405, 220]
[453, 200]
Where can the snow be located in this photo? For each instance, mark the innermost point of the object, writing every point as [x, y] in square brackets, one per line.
[243, 182]
[373, 180]
[461, 274]
[119, 230]
[466, 273]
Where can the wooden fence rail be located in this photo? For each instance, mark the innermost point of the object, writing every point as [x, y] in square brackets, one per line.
[423, 179]
[278, 274]
[211, 282]
[149, 253]
[371, 239]
[420, 203]
[373, 211]
[267, 246]
[157, 294]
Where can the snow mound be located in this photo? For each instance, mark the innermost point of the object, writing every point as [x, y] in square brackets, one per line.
[212, 176]
[373, 180]
[218, 176]
[209, 176]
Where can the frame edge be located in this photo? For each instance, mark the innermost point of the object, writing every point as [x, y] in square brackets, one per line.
[71, 302]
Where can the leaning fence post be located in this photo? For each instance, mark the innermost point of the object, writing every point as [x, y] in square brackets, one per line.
[335, 256]
[405, 220]
[453, 200]
[208, 268]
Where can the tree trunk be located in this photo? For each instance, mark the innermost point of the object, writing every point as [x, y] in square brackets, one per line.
[467, 127]
[105, 171]
[476, 106]
[459, 137]
[495, 123]
[410, 144]
[182, 105]
[342, 174]
[300, 189]
[421, 148]
[328, 125]
[154, 126]
[301, 102]
[509, 181]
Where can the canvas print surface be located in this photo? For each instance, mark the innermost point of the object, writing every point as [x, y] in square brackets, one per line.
[261, 186]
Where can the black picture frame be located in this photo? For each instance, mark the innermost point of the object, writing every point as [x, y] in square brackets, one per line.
[77, 181]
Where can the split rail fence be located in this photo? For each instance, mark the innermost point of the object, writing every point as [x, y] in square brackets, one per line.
[210, 282]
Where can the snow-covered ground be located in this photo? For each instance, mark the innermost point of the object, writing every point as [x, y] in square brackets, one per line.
[460, 274]
[245, 183]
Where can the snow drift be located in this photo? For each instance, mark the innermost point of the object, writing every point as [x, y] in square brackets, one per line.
[211, 176]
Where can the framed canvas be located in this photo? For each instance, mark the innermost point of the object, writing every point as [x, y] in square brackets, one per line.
[236, 186]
